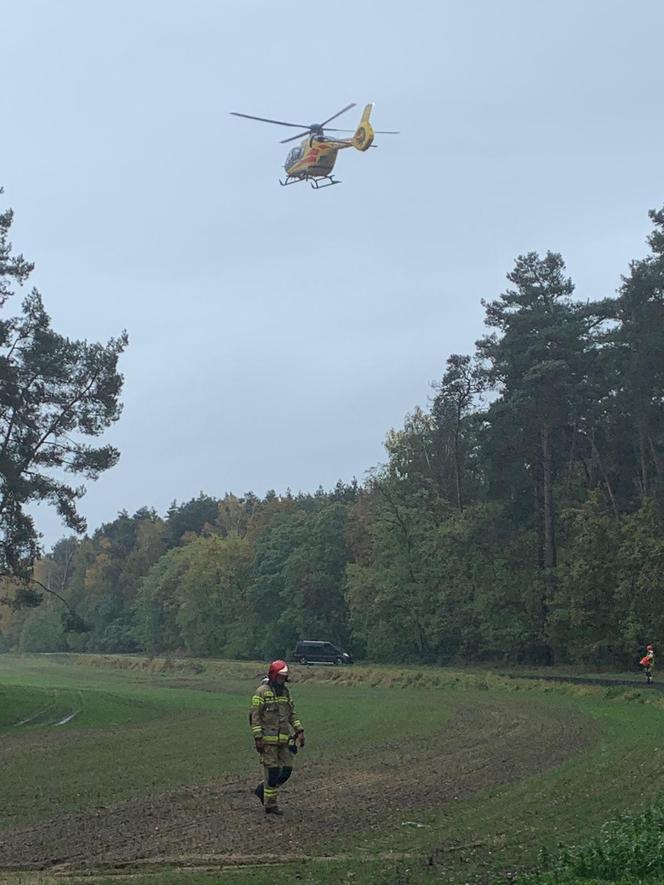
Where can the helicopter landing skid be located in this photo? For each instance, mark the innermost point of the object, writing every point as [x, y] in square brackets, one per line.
[314, 182]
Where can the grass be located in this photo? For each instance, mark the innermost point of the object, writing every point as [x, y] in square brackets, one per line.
[137, 733]
[108, 751]
[146, 727]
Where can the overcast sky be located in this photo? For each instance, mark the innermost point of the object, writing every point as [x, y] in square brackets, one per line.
[276, 334]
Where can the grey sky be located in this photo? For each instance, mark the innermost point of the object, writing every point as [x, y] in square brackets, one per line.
[277, 334]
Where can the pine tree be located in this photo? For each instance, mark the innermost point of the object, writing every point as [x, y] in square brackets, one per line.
[54, 393]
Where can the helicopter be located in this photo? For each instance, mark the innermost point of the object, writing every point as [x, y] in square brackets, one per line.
[314, 158]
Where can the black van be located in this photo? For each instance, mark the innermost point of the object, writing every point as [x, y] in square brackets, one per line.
[309, 652]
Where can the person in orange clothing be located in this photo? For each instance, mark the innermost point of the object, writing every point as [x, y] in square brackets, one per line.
[648, 663]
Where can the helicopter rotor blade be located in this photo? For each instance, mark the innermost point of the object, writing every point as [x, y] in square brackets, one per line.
[338, 114]
[295, 137]
[377, 131]
[266, 120]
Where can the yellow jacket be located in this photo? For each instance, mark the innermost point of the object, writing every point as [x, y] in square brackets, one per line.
[272, 714]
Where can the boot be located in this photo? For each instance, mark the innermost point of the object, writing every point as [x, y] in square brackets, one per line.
[259, 793]
[273, 809]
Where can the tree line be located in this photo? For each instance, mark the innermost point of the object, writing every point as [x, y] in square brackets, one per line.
[518, 516]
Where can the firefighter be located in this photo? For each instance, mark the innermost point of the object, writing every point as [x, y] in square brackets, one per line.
[272, 717]
[648, 663]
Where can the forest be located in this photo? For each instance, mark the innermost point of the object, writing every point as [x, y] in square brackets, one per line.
[518, 515]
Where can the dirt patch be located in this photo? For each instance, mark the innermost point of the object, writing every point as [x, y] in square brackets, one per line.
[329, 802]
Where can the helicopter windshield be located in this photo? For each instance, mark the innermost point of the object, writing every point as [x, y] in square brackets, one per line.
[293, 156]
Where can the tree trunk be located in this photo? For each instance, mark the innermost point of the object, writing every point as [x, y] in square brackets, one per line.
[457, 464]
[607, 481]
[643, 461]
[549, 552]
[656, 460]
[539, 512]
[547, 493]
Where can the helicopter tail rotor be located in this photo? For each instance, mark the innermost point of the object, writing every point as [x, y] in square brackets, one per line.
[364, 134]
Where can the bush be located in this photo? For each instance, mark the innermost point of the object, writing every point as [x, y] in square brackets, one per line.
[630, 849]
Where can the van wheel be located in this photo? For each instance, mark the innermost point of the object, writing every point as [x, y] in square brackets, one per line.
[304, 661]
[339, 662]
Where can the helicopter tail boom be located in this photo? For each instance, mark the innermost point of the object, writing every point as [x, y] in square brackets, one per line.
[364, 133]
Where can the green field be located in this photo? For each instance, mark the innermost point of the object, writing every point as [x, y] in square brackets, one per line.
[125, 770]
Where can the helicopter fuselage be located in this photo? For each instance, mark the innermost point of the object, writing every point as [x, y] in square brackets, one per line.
[314, 157]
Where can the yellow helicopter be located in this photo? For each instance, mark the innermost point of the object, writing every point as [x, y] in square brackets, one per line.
[313, 160]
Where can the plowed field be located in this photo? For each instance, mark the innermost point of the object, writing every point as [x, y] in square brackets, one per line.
[329, 803]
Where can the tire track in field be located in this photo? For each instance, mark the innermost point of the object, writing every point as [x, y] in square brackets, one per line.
[330, 801]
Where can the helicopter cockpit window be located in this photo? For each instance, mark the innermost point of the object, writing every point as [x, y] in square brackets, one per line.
[294, 156]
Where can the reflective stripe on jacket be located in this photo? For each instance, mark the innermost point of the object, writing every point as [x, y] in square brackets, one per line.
[272, 715]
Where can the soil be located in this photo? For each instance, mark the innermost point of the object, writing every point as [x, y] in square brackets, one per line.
[330, 804]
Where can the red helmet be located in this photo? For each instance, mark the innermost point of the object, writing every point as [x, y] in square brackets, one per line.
[277, 668]
[649, 648]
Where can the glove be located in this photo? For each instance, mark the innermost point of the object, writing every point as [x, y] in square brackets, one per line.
[300, 738]
[260, 746]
